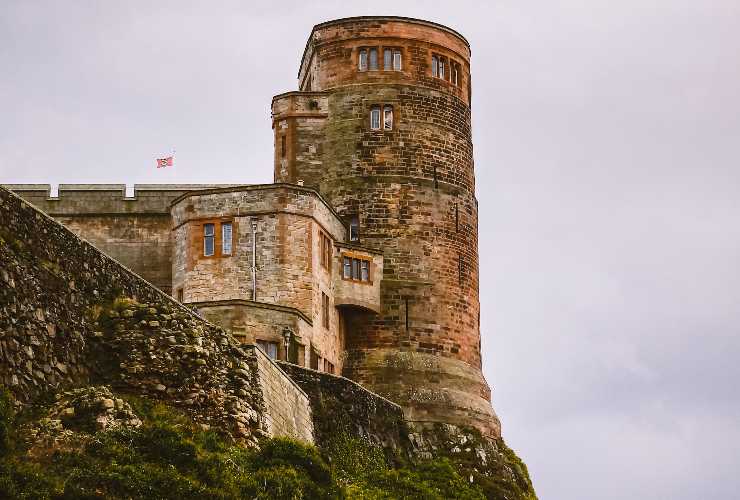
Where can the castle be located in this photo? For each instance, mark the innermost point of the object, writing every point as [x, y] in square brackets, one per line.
[362, 258]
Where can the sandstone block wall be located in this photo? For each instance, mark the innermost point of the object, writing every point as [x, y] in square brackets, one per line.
[287, 410]
[412, 187]
[135, 231]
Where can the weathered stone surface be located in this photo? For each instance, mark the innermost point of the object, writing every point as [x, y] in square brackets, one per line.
[114, 328]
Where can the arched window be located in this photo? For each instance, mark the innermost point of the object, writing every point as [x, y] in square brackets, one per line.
[387, 117]
[375, 118]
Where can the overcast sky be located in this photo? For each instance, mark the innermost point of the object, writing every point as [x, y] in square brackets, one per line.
[607, 137]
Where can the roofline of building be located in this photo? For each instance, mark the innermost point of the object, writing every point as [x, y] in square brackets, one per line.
[256, 187]
[412, 20]
[252, 303]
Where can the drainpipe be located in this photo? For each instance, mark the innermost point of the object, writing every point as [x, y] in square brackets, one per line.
[254, 259]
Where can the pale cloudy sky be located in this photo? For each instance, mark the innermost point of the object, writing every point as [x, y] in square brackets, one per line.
[607, 138]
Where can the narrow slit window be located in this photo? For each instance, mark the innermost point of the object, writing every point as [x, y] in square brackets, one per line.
[435, 65]
[180, 295]
[442, 68]
[388, 118]
[354, 228]
[457, 219]
[397, 60]
[283, 147]
[208, 239]
[362, 60]
[434, 176]
[460, 268]
[454, 74]
[347, 268]
[387, 59]
[325, 309]
[373, 59]
[226, 238]
[375, 118]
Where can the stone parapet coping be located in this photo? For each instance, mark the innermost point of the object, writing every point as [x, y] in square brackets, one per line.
[252, 303]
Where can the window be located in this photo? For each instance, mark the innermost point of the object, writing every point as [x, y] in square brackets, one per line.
[438, 66]
[387, 59]
[354, 228]
[314, 359]
[325, 251]
[270, 348]
[397, 60]
[387, 117]
[226, 238]
[180, 295]
[373, 59]
[283, 148]
[362, 64]
[460, 268]
[375, 118]
[328, 367]
[325, 309]
[455, 79]
[208, 239]
[356, 269]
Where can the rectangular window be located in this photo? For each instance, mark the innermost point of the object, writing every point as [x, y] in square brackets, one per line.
[328, 367]
[441, 72]
[364, 270]
[354, 228]
[362, 64]
[373, 59]
[454, 74]
[180, 295]
[347, 268]
[283, 148]
[325, 250]
[270, 348]
[355, 269]
[387, 59]
[435, 65]
[325, 309]
[397, 60]
[226, 238]
[208, 239]
[314, 359]
[375, 118]
[387, 117]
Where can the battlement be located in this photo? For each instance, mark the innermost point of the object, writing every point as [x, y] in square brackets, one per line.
[105, 199]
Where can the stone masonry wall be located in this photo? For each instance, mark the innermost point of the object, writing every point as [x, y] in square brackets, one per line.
[135, 231]
[71, 316]
[287, 411]
[412, 188]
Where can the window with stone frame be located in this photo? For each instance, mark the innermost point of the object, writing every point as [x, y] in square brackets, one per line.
[439, 67]
[226, 238]
[387, 117]
[325, 310]
[375, 118]
[362, 59]
[354, 228]
[328, 366]
[455, 74]
[325, 250]
[356, 269]
[314, 361]
[209, 239]
[270, 348]
[391, 59]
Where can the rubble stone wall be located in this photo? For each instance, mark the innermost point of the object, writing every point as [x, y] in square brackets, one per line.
[70, 316]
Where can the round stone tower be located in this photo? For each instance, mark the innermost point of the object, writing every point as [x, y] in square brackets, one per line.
[381, 127]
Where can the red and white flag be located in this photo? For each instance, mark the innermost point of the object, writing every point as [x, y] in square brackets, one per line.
[165, 162]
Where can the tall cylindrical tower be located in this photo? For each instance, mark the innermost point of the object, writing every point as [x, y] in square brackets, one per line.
[381, 127]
